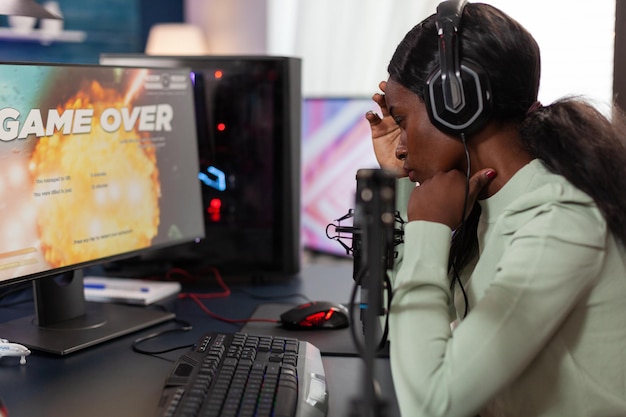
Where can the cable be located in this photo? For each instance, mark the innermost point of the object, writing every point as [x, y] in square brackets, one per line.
[383, 340]
[196, 296]
[357, 283]
[273, 297]
[226, 292]
[15, 289]
[186, 326]
[455, 275]
[196, 299]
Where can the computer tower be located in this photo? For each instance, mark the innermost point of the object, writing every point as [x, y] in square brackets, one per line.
[248, 111]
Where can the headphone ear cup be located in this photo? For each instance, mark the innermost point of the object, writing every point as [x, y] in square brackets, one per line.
[476, 106]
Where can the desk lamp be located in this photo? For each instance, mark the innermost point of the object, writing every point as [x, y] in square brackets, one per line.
[176, 39]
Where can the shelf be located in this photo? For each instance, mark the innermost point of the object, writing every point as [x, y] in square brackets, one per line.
[43, 36]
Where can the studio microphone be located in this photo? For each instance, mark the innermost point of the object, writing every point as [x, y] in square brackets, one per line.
[374, 236]
[353, 234]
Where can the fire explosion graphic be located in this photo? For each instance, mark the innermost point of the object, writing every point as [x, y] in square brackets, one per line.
[101, 190]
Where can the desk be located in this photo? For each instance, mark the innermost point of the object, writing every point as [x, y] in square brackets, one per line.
[112, 380]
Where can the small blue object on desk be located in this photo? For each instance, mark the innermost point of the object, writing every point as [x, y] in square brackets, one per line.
[102, 286]
[128, 290]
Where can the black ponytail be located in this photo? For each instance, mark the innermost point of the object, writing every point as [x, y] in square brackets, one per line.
[576, 140]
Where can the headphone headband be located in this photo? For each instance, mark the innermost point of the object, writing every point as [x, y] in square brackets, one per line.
[458, 94]
[448, 21]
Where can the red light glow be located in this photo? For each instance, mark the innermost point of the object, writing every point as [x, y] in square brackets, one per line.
[214, 210]
[215, 204]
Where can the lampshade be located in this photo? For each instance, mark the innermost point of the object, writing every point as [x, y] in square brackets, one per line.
[25, 8]
[176, 39]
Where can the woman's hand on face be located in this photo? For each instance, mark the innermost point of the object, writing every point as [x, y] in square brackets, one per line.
[440, 199]
[385, 135]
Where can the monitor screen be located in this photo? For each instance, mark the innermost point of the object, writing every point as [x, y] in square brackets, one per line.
[98, 163]
[336, 143]
[248, 117]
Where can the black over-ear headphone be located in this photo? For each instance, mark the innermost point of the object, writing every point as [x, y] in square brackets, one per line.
[458, 94]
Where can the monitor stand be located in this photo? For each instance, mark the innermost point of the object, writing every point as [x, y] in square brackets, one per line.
[64, 322]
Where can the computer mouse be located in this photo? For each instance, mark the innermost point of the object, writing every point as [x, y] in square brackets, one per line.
[316, 315]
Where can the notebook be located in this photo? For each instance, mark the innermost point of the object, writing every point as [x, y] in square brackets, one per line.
[128, 290]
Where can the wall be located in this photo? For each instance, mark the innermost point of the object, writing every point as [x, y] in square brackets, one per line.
[577, 45]
[619, 67]
[346, 44]
[235, 27]
[89, 28]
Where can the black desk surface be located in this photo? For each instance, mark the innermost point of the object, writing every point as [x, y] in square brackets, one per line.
[112, 380]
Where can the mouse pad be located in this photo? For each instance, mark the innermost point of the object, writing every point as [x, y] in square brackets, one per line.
[330, 342]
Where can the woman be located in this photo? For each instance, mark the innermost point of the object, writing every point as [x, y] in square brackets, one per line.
[535, 201]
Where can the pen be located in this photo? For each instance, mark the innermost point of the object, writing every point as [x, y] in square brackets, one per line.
[100, 286]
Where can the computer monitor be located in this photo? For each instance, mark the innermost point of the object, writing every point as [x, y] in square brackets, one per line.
[97, 163]
[336, 143]
[248, 110]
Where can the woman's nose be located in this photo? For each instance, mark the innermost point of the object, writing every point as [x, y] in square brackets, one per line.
[401, 152]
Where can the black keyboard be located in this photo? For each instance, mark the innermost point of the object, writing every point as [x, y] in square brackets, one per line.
[239, 374]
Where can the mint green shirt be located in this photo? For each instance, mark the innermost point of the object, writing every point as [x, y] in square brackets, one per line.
[546, 330]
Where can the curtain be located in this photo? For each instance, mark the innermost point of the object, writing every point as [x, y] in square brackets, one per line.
[346, 44]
